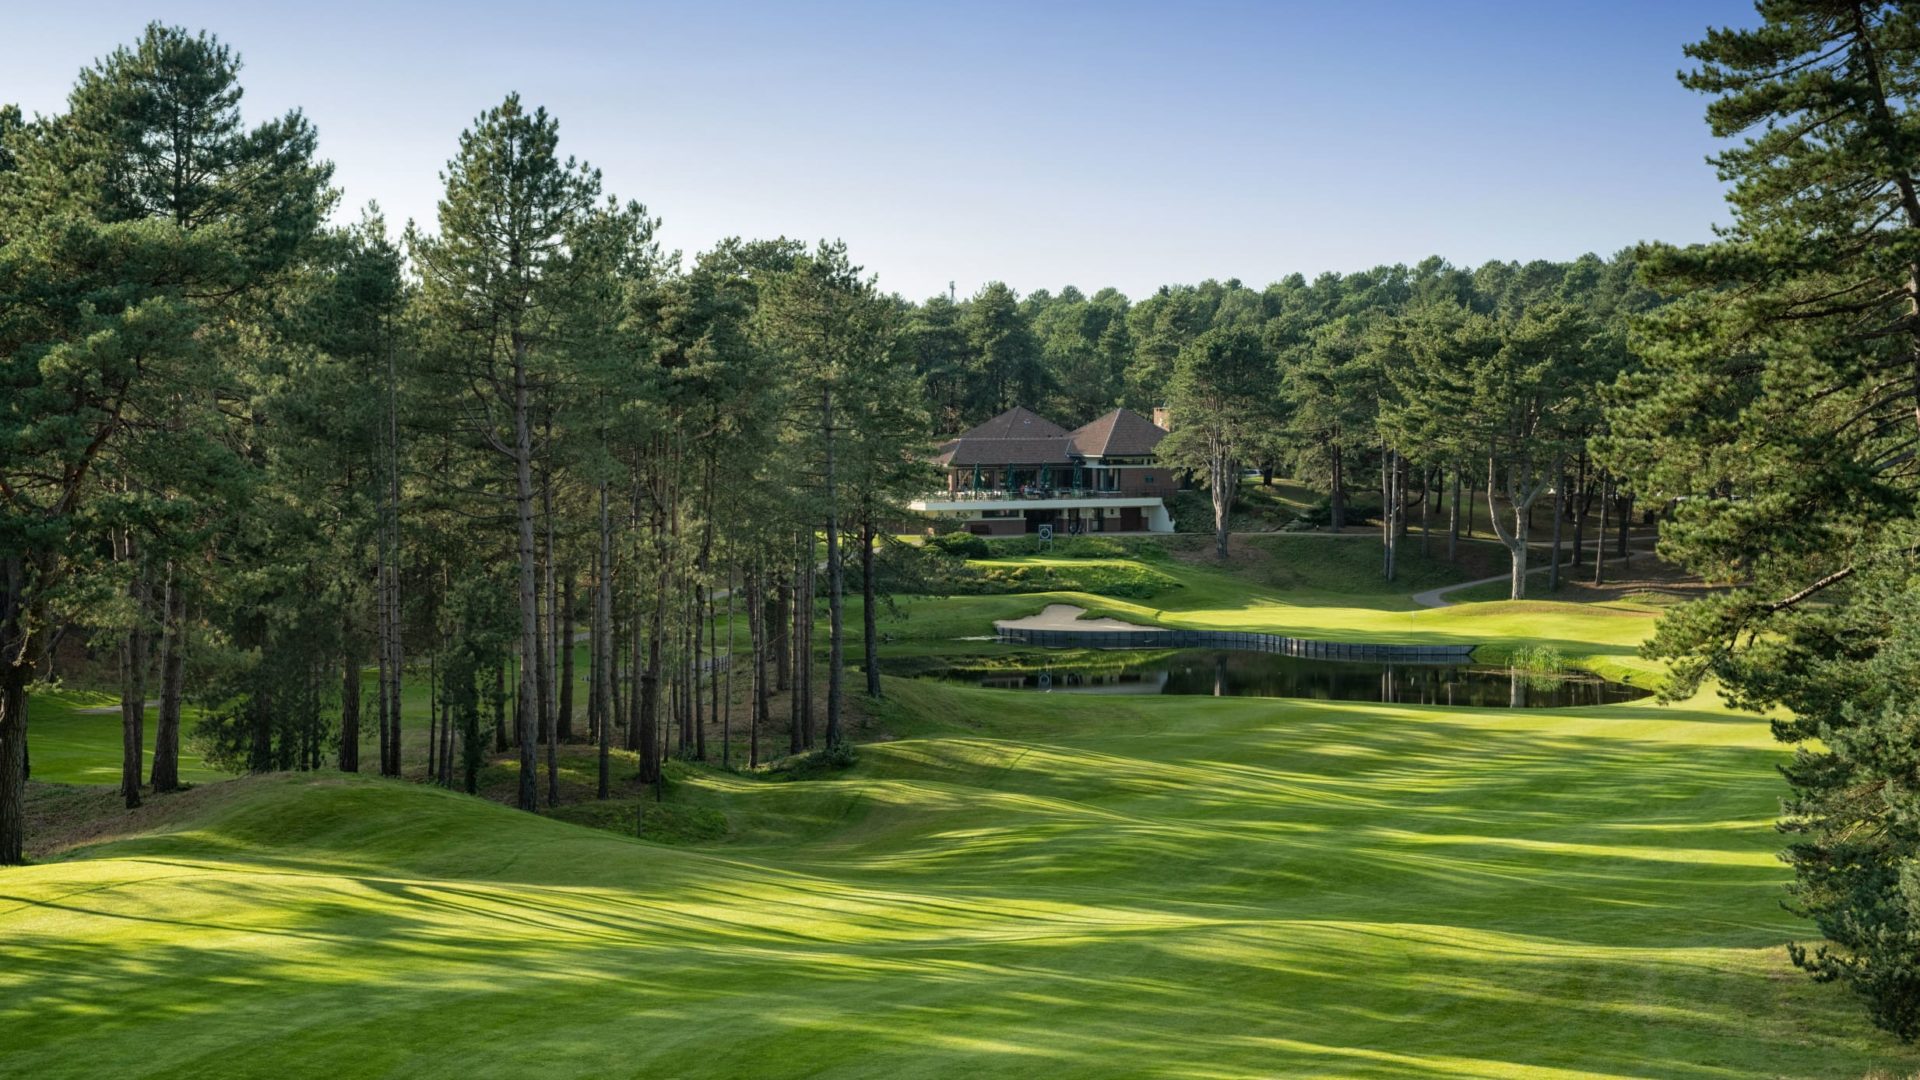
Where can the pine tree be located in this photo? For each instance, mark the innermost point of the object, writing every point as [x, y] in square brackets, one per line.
[1223, 402]
[497, 277]
[1779, 405]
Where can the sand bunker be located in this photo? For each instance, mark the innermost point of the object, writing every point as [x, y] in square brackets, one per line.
[1065, 617]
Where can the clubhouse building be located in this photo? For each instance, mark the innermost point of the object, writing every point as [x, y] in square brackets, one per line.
[1019, 471]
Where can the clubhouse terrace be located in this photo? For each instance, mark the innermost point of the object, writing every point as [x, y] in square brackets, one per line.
[1019, 471]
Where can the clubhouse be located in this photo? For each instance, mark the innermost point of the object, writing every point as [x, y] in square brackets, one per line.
[1019, 471]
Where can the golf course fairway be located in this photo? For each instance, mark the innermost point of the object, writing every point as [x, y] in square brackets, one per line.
[1012, 884]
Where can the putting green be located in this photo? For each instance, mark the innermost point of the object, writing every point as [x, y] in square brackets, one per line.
[1046, 885]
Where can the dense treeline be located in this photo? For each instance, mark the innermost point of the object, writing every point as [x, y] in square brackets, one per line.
[1418, 382]
[262, 459]
[259, 455]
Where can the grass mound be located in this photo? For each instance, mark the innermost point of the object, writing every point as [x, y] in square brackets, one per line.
[1104, 577]
[1060, 885]
[1032, 883]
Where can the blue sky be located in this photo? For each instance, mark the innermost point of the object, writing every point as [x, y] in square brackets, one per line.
[1042, 144]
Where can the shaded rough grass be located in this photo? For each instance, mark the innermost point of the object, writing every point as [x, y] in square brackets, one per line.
[68, 730]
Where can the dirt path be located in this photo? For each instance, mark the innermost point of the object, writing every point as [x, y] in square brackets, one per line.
[1066, 617]
[1434, 598]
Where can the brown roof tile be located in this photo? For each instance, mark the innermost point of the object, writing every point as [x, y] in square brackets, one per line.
[1021, 437]
[1120, 433]
[1016, 423]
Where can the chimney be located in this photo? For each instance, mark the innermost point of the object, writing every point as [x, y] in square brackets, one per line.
[1161, 418]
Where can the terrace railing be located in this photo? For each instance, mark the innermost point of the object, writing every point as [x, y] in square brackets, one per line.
[1034, 492]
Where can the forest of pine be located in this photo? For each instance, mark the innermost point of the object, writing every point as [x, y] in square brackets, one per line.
[394, 615]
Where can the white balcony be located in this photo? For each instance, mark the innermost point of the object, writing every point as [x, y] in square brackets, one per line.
[973, 505]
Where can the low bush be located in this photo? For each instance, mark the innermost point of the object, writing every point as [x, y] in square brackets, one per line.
[1063, 547]
[1121, 580]
[1191, 510]
[964, 545]
[816, 763]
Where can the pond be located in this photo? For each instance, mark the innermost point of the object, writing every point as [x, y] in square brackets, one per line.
[1222, 673]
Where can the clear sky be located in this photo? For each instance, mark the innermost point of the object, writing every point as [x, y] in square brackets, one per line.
[1043, 144]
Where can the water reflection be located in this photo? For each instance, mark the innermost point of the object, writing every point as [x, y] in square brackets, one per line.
[1221, 673]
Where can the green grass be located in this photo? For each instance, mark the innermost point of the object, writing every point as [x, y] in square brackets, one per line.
[1046, 573]
[1306, 586]
[74, 738]
[1050, 885]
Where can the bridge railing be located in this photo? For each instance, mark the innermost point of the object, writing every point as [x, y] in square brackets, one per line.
[1248, 641]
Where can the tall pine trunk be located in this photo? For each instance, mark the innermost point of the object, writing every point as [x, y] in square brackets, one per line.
[382, 656]
[1559, 511]
[603, 648]
[1224, 479]
[803, 655]
[1581, 495]
[394, 655]
[16, 669]
[564, 725]
[757, 628]
[726, 715]
[1516, 539]
[173, 663]
[779, 619]
[1426, 512]
[869, 597]
[1389, 511]
[1337, 490]
[133, 678]
[530, 647]
[650, 683]
[1453, 518]
[1600, 538]
[349, 703]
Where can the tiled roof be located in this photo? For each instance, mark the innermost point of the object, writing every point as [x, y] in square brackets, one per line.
[1016, 423]
[1043, 451]
[1021, 437]
[1120, 433]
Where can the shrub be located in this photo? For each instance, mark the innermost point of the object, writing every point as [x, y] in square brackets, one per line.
[963, 545]
[1122, 580]
[1063, 547]
[1191, 510]
[815, 763]
[914, 570]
